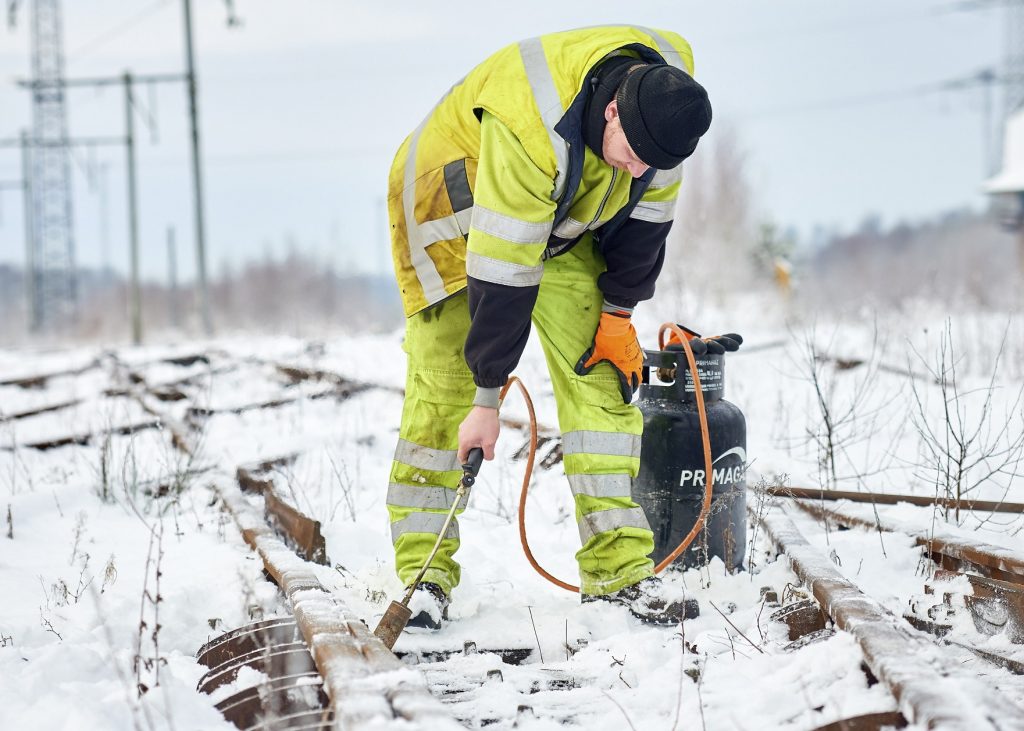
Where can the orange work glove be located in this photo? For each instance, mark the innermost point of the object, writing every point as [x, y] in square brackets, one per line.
[615, 342]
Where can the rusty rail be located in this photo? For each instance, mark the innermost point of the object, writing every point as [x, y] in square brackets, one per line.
[927, 683]
[368, 687]
[301, 532]
[40, 380]
[36, 411]
[881, 498]
[948, 551]
[84, 439]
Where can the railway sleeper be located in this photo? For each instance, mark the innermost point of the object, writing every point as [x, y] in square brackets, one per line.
[83, 440]
[801, 617]
[293, 690]
[867, 722]
[996, 607]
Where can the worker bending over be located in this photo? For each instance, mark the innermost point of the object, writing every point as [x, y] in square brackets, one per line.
[539, 189]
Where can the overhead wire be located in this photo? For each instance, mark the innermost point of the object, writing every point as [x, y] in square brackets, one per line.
[910, 93]
[117, 30]
[827, 28]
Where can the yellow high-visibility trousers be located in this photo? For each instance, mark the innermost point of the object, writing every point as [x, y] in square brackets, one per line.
[600, 434]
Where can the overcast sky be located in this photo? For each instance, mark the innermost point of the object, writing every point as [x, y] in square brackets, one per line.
[304, 103]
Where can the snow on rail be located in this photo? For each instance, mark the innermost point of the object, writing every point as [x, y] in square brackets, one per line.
[993, 561]
[369, 687]
[927, 683]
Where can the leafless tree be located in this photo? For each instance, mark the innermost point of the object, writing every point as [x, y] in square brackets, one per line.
[972, 443]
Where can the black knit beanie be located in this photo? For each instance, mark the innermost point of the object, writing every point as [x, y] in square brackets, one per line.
[663, 113]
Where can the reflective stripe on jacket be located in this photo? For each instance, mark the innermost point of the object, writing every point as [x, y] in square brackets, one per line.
[548, 190]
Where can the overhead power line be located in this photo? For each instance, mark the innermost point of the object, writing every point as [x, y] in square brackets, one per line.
[910, 93]
[111, 33]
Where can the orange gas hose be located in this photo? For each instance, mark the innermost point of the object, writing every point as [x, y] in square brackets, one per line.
[705, 439]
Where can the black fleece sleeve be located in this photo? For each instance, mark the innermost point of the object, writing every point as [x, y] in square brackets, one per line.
[500, 325]
[634, 254]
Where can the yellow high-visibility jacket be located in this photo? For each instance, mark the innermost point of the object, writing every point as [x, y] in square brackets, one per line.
[497, 178]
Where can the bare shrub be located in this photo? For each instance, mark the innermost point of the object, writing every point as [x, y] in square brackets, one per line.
[762, 504]
[346, 483]
[971, 443]
[843, 418]
[148, 660]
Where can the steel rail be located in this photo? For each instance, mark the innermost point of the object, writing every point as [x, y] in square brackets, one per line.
[947, 550]
[368, 686]
[929, 686]
[83, 439]
[40, 380]
[881, 498]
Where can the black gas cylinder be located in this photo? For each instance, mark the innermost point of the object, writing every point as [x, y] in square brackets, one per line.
[670, 486]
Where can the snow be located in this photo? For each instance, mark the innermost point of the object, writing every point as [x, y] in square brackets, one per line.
[78, 509]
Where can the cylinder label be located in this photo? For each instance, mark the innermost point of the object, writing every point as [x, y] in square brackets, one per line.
[710, 373]
[726, 474]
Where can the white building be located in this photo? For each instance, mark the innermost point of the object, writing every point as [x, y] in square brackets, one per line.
[1007, 186]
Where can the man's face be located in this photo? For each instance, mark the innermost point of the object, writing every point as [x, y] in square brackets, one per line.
[615, 148]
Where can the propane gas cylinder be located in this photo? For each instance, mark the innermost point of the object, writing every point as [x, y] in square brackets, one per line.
[670, 485]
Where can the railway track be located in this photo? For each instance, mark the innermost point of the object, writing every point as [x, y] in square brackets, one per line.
[318, 666]
[322, 667]
[926, 679]
[968, 578]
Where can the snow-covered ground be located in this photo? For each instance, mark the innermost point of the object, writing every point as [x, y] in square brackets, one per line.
[73, 577]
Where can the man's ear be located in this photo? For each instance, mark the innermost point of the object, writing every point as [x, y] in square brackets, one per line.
[611, 111]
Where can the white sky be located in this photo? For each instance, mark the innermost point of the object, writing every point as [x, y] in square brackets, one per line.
[303, 106]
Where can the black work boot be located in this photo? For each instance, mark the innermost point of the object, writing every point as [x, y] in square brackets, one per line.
[652, 601]
[429, 605]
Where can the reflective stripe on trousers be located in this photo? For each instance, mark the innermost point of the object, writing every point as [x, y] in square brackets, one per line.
[593, 524]
[424, 498]
[423, 523]
[601, 485]
[426, 458]
[616, 444]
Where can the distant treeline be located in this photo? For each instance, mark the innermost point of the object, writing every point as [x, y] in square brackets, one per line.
[717, 250]
[724, 244]
[960, 259]
[298, 295]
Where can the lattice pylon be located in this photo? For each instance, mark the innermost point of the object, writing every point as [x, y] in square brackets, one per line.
[55, 287]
